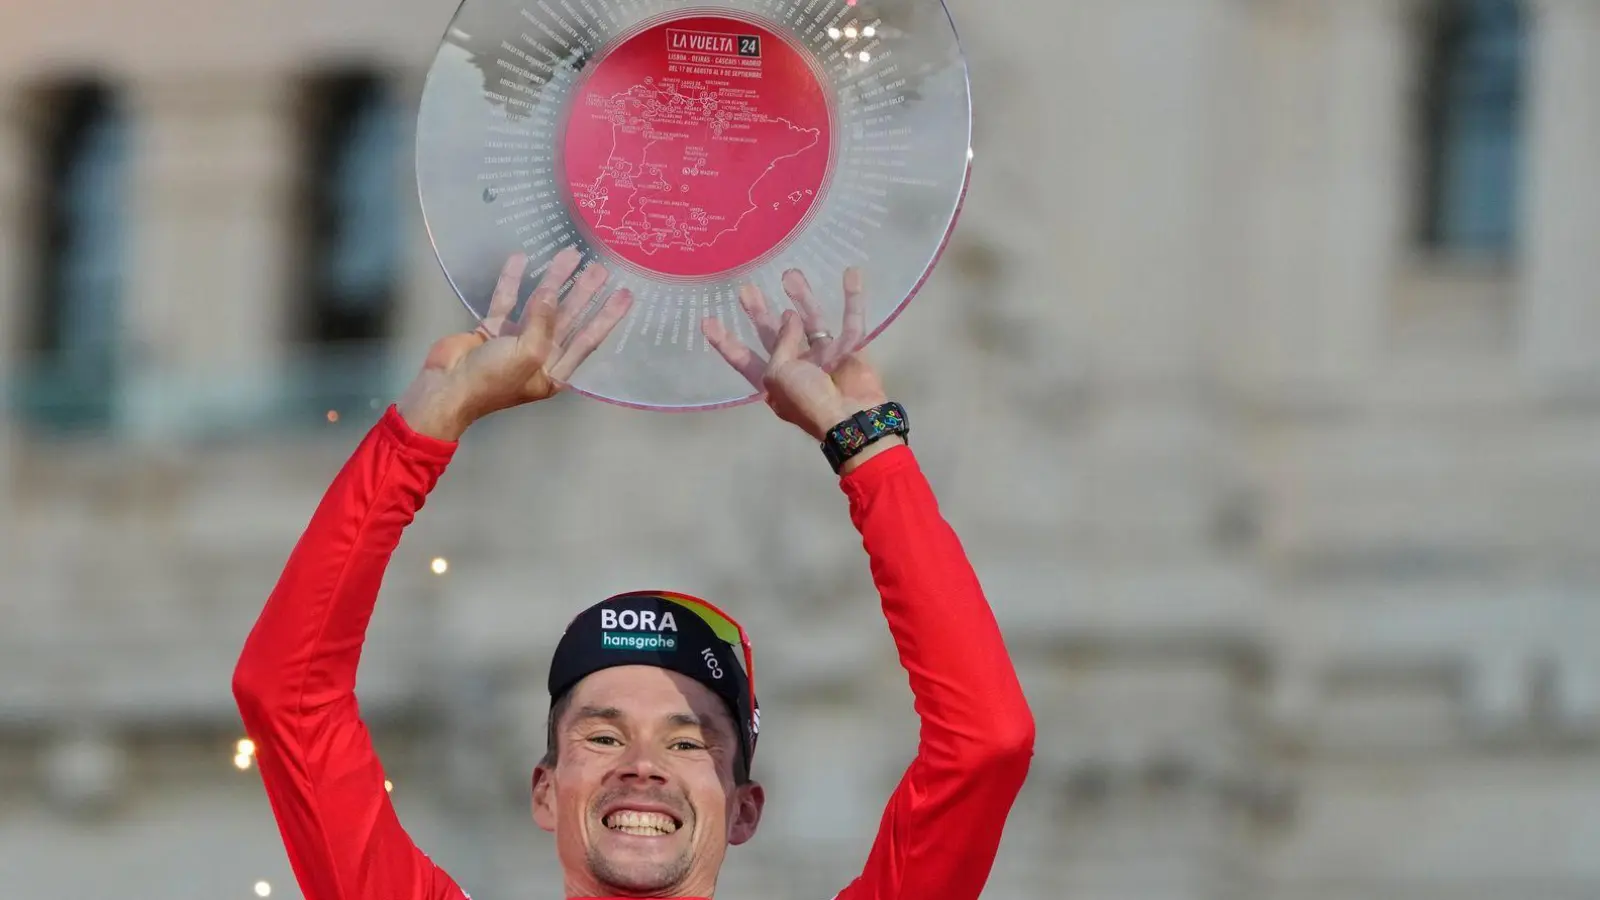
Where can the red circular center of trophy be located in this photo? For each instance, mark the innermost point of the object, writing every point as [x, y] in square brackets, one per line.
[697, 146]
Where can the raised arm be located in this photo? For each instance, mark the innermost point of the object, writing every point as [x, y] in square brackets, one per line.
[295, 680]
[943, 823]
[942, 827]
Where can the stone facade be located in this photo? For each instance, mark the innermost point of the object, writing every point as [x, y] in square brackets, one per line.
[1289, 523]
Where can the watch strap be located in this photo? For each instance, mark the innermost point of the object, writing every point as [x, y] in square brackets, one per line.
[863, 429]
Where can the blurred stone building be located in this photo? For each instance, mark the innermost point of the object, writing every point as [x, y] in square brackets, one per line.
[1260, 379]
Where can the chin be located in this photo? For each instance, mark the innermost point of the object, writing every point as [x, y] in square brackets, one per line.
[641, 885]
[641, 865]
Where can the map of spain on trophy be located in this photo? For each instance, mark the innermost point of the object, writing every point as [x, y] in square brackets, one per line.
[690, 150]
[698, 161]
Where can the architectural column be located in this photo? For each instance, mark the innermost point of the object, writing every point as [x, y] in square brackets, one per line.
[1144, 270]
[1326, 195]
[1561, 322]
[14, 239]
[1116, 546]
[209, 287]
[1137, 256]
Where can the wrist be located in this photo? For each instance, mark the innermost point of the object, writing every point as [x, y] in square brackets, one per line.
[429, 413]
[873, 449]
[436, 424]
[863, 434]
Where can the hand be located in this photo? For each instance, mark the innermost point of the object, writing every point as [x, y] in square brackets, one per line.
[504, 363]
[810, 380]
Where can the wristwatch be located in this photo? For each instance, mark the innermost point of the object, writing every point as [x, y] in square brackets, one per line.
[861, 430]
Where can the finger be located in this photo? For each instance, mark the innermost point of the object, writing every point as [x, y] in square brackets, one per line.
[855, 312]
[741, 357]
[798, 288]
[504, 299]
[592, 279]
[754, 304]
[855, 321]
[592, 335]
[538, 320]
[791, 340]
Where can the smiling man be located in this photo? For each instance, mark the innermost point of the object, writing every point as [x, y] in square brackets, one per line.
[653, 724]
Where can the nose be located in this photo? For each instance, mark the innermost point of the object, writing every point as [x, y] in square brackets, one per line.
[641, 764]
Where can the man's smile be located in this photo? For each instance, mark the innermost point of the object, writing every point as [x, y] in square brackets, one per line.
[642, 823]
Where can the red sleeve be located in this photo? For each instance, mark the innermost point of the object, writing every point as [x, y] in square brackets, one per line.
[942, 827]
[295, 680]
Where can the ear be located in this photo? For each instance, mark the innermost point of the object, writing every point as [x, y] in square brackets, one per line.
[544, 797]
[748, 801]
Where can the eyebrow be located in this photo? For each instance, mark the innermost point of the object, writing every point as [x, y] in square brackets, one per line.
[609, 713]
[613, 714]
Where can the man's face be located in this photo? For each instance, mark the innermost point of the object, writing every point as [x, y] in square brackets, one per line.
[642, 798]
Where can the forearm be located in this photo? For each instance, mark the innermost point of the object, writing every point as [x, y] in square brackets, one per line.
[306, 644]
[961, 673]
[295, 681]
[942, 826]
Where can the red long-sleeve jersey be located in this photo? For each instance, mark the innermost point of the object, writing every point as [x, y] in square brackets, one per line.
[295, 686]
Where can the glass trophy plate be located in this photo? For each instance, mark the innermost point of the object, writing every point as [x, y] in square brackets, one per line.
[692, 148]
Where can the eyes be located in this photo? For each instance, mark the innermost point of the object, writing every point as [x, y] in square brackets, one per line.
[686, 745]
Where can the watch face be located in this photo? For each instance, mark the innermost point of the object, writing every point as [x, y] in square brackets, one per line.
[692, 148]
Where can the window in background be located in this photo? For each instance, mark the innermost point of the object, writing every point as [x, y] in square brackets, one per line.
[71, 352]
[1472, 126]
[352, 241]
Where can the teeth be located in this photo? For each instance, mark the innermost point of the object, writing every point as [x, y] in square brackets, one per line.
[645, 824]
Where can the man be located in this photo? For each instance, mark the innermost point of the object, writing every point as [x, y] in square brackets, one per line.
[653, 722]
